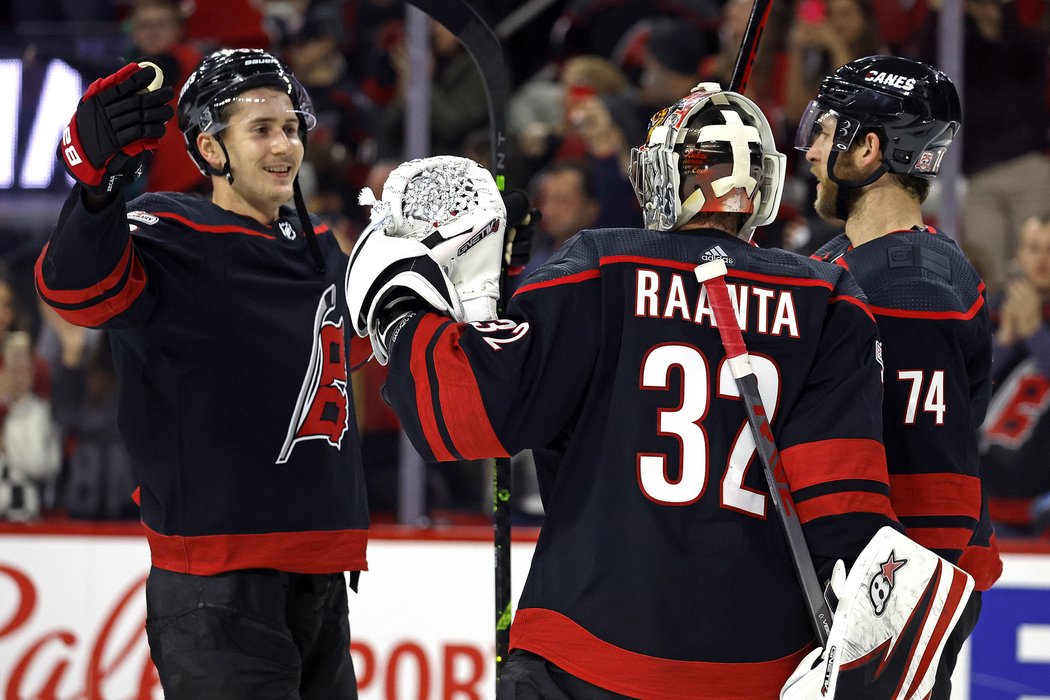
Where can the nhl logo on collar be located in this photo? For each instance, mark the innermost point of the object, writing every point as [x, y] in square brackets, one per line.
[286, 230]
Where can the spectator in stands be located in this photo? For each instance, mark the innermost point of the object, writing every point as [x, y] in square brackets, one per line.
[458, 104]
[342, 146]
[12, 319]
[29, 440]
[539, 111]
[1016, 433]
[156, 31]
[98, 477]
[1004, 73]
[825, 34]
[565, 194]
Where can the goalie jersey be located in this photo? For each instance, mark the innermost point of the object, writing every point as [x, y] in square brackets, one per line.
[661, 568]
[933, 321]
[234, 398]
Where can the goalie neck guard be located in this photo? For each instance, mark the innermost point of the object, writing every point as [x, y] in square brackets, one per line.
[712, 151]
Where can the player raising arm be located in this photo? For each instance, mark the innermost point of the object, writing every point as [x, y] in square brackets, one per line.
[661, 570]
[228, 323]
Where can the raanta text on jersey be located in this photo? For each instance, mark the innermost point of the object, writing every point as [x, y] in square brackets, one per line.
[760, 309]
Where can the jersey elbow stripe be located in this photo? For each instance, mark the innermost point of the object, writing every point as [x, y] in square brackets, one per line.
[983, 563]
[837, 459]
[419, 365]
[459, 399]
[833, 504]
[936, 494]
[100, 302]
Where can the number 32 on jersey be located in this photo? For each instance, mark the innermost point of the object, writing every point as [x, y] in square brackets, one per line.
[686, 424]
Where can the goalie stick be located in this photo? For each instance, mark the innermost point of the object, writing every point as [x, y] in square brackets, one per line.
[712, 276]
[483, 46]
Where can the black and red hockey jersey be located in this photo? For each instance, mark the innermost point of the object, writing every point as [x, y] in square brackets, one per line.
[232, 354]
[661, 570]
[930, 307]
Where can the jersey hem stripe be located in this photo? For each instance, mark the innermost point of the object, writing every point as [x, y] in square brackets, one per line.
[569, 646]
[309, 552]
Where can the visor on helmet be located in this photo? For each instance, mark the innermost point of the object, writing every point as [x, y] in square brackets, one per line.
[212, 121]
[820, 121]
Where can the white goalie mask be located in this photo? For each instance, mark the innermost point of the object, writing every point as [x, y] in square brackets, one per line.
[712, 151]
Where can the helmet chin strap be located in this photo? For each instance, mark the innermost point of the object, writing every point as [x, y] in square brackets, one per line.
[841, 208]
[225, 171]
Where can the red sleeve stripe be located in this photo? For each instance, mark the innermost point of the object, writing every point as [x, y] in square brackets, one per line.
[568, 279]
[856, 302]
[460, 400]
[567, 645]
[88, 294]
[935, 315]
[104, 308]
[936, 494]
[421, 375]
[983, 563]
[843, 504]
[814, 463]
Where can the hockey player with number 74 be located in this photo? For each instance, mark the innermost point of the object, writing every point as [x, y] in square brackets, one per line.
[660, 570]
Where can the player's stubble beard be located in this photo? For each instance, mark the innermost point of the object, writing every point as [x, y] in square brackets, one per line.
[828, 192]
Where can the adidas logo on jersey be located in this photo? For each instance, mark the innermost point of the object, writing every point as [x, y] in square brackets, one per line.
[717, 253]
[143, 217]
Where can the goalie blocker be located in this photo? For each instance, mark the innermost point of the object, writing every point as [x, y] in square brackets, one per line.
[895, 612]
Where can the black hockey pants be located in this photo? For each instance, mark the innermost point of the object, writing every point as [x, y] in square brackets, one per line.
[256, 634]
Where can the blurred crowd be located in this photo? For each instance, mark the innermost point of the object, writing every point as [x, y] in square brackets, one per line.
[586, 76]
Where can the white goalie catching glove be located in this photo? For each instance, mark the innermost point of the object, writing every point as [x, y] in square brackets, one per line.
[436, 236]
[895, 611]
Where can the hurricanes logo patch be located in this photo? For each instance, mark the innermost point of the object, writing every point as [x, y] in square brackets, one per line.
[286, 230]
[322, 411]
[881, 585]
[143, 217]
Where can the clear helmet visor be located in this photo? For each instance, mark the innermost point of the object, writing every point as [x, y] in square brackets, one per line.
[211, 121]
[819, 123]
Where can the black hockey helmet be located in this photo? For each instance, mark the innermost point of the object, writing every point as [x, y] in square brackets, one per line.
[219, 79]
[913, 107]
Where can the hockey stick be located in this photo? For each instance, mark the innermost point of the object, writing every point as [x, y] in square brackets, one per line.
[712, 276]
[745, 57]
[483, 46]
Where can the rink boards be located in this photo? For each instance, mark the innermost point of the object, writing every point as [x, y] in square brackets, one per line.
[72, 611]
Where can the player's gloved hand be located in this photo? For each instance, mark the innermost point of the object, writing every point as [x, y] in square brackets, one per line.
[116, 121]
[389, 277]
[450, 206]
[522, 220]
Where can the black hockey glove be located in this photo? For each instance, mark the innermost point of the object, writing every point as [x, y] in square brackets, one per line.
[521, 230]
[116, 121]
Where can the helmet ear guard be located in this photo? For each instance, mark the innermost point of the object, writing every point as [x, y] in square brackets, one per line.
[746, 174]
